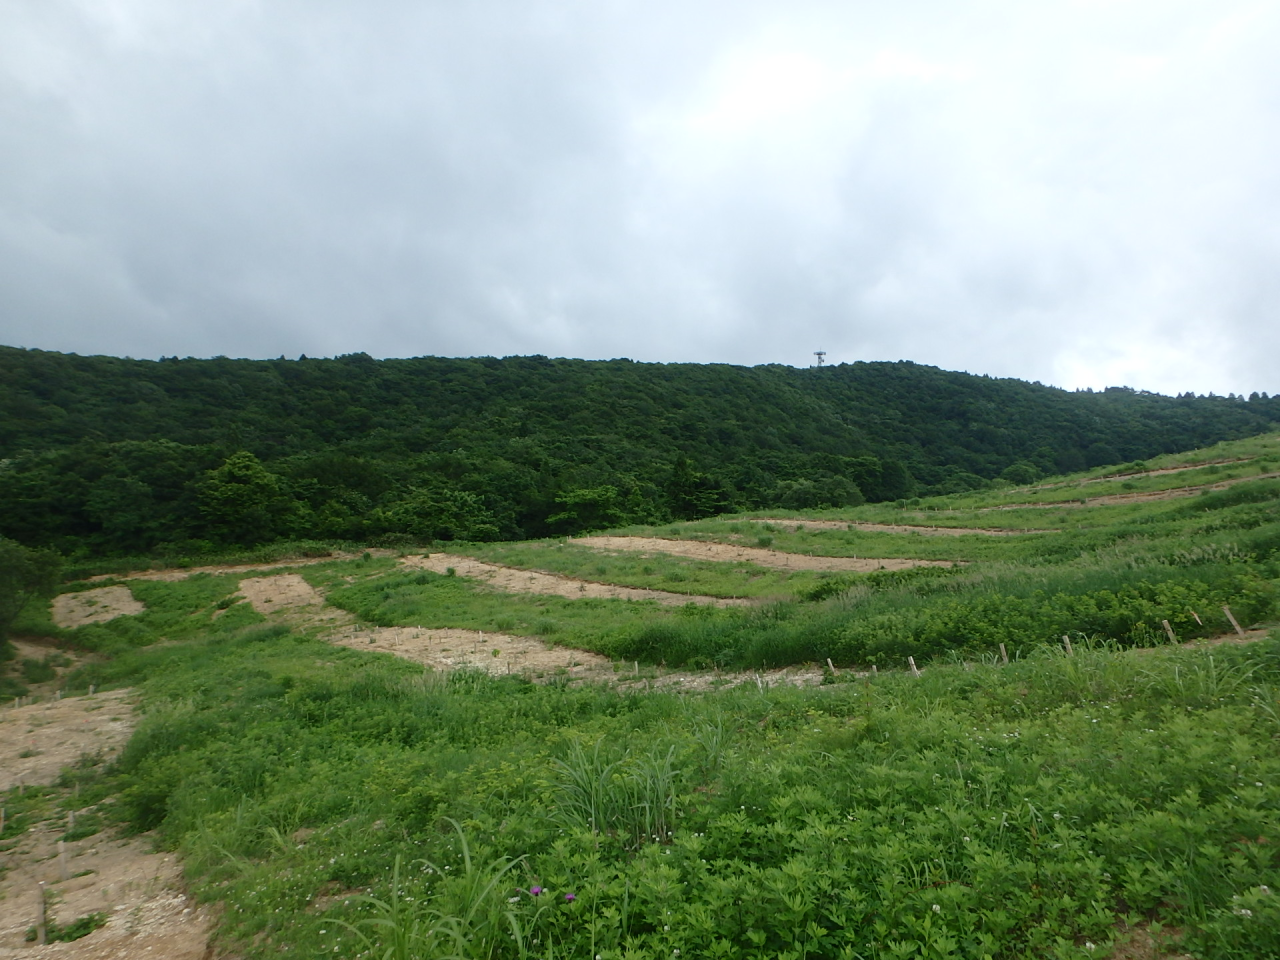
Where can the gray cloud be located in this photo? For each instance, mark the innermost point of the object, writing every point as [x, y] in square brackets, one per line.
[1080, 193]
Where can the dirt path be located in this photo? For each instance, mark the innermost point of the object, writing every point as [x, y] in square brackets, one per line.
[513, 580]
[723, 552]
[54, 733]
[94, 606]
[897, 528]
[1173, 493]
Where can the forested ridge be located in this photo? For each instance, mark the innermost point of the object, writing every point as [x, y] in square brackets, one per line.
[111, 455]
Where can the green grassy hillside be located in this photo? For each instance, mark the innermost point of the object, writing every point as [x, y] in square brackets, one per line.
[1116, 796]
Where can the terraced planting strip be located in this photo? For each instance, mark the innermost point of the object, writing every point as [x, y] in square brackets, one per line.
[701, 550]
[1172, 493]
[512, 580]
[895, 527]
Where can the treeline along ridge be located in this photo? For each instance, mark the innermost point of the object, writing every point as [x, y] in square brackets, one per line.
[116, 456]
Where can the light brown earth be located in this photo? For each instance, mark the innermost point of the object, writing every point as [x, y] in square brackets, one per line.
[94, 606]
[701, 550]
[55, 733]
[282, 598]
[495, 653]
[279, 592]
[514, 580]
[140, 890]
[895, 528]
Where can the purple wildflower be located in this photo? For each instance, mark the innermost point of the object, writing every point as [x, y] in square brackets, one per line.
[570, 897]
[535, 890]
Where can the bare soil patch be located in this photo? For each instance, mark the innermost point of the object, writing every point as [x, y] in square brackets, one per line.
[278, 593]
[94, 606]
[723, 552]
[55, 733]
[514, 580]
[140, 891]
[499, 653]
[495, 653]
[898, 528]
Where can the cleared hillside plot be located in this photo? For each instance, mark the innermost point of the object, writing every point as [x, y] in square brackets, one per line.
[39, 739]
[651, 571]
[72, 610]
[513, 580]
[132, 895]
[498, 654]
[702, 550]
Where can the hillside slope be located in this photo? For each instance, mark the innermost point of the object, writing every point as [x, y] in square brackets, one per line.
[119, 455]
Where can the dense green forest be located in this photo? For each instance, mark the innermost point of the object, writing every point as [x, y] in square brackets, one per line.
[116, 456]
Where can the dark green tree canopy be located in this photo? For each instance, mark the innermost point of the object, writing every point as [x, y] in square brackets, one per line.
[24, 575]
[115, 456]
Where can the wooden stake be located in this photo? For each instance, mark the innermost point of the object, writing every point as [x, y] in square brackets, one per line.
[1227, 611]
[1004, 654]
[63, 872]
[831, 666]
[42, 923]
[1197, 616]
[1169, 631]
[875, 671]
[915, 671]
[1066, 642]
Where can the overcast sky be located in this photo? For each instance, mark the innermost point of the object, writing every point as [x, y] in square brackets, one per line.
[1082, 193]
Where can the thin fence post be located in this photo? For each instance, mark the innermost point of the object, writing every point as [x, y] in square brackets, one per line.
[63, 872]
[915, 671]
[1197, 616]
[1227, 611]
[1169, 631]
[42, 921]
[831, 666]
[1004, 654]
[1066, 643]
[875, 671]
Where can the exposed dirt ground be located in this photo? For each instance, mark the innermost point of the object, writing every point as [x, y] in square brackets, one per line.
[723, 552]
[495, 653]
[54, 734]
[897, 528]
[139, 890]
[278, 592]
[513, 580]
[94, 606]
